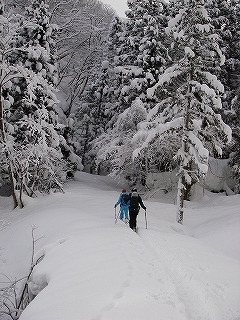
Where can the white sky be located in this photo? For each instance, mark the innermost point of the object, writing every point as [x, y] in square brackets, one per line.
[120, 6]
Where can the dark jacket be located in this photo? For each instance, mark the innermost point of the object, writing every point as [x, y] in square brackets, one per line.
[139, 201]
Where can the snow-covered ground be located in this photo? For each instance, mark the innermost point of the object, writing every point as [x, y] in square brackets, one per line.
[94, 269]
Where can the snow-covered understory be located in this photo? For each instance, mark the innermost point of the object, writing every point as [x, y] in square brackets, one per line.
[94, 269]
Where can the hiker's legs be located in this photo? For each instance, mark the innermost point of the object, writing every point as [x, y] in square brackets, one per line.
[121, 212]
[125, 212]
[132, 221]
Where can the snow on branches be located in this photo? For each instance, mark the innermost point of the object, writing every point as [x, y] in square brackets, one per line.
[193, 94]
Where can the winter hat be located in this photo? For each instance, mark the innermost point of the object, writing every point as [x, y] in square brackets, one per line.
[124, 190]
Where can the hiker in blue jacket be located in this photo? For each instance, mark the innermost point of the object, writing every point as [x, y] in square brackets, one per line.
[124, 202]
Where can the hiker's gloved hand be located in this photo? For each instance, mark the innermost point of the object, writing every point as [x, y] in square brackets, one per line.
[115, 206]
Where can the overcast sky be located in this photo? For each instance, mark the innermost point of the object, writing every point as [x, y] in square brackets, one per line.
[120, 6]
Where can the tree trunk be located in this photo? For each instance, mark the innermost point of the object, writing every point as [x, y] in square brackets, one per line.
[184, 165]
[180, 198]
[10, 171]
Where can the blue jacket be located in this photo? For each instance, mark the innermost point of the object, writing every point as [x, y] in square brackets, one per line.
[121, 202]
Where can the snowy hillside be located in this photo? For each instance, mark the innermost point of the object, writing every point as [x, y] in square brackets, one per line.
[95, 269]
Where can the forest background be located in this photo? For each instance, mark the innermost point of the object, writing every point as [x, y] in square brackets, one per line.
[82, 89]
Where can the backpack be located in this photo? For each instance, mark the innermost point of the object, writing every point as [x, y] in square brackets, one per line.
[124, 199]
[134, 204]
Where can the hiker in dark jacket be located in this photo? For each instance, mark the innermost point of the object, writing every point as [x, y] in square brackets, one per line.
[123, 200]
[134, 207]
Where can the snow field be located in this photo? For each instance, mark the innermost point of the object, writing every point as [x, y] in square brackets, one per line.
[94, 269]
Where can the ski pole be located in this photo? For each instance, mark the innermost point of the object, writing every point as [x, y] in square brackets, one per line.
[146, 218]
[115, 215]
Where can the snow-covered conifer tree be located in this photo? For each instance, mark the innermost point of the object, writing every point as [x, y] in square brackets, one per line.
[36, 144]
[111, 88]
[8, 74]
[92, 115]
[137, 55]
[192, 100]
[226, 20]
[235, 150]
[142, 51]
[114, 148]
[153, 56]
[33, 112]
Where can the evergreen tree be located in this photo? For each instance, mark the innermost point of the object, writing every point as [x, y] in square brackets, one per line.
[225, 20]
[231, 112]
[37, 158]
[153, 55]
[8, 74]
[142, 54]
[115, 148]
[112, 83]
[235, 150]
[92, 115]
[136, 55]
[34, 111]
[189, 109]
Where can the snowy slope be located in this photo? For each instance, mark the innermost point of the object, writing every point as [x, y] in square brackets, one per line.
[95, 269]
